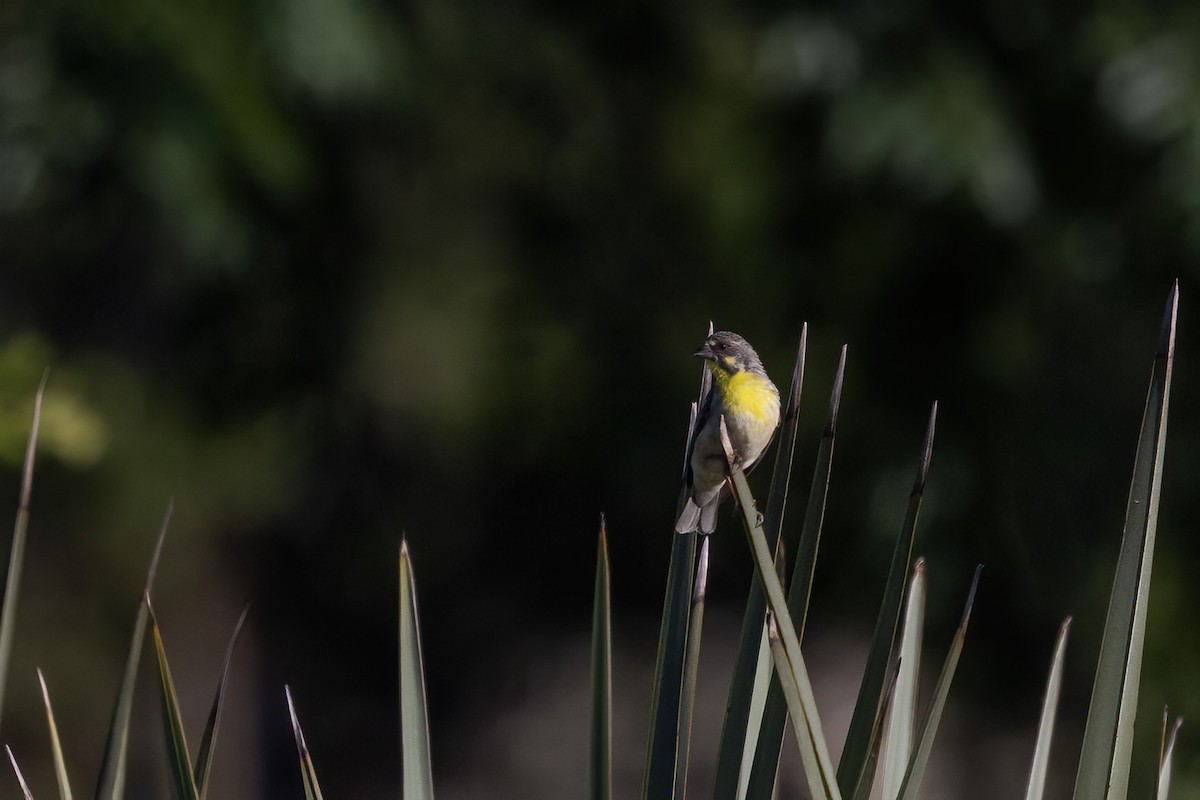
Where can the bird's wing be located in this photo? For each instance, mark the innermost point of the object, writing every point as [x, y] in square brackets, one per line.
[703, 411]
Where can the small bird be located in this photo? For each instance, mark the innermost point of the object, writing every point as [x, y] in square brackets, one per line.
[742, 394]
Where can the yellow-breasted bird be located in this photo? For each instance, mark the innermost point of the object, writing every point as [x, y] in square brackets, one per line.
[742, 394]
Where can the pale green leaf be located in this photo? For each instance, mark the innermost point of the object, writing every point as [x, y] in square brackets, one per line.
[1108, 736]
[20, 778]
[899, 722]
[911, 787]
[308, 773]
[414, 719]
[60, 761]
[1041, 750]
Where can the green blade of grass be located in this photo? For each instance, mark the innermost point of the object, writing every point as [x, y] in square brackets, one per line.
[1165, 752]
[600, 750]
[691, 667]
[414, 717]
[16, 556]
[1108, 736]
[852, 767]
[774, 720]
[1041, 750]
[898, 733]
[933, 716]
[110, 784]
[182, 783]
[805, 716]
[60, 761]
[16, 769]
[205, 756]
[743, 709]
[308, 773]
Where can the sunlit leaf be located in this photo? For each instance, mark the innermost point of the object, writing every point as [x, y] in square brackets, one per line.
[1166, 752]
[308, 773]
[16, 769]
[875, 741]
[60, 761]
[1041, 750]
[933, 716]
[899, 722]
[1108, 736]
[790, 688]
[414, 719]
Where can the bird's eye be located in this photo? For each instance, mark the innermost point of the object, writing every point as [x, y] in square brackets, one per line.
[721, 346]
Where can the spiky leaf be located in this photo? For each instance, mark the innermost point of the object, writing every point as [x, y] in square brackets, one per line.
[1108, 736]
[308, 773]
[204, 758]
[691, 668]
[1165, 754]
[770, 735]
[182, 783]
[16, 557]
[414, 718]
[898, 730]
[16, 769]
[1041, 750]
[854, 767]
[600, 752]
[806, 720]
[110, 784]
[941, 690]
[60, 761]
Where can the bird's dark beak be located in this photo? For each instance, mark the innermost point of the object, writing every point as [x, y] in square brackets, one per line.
[706, 352]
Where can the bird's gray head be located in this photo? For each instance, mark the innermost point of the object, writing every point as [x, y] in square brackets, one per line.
[730, 352]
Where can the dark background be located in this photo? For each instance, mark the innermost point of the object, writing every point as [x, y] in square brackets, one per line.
[333, 273]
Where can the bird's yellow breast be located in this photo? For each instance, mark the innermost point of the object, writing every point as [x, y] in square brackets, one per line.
[748, 393]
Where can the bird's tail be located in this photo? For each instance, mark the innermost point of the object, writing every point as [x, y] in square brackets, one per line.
[689, 518]
[694, 517]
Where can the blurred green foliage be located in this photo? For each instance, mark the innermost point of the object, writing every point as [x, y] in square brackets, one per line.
[331, 271]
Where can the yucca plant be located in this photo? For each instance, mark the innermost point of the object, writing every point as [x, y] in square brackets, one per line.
[770, 684]
[748, 755]
[189, 779]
